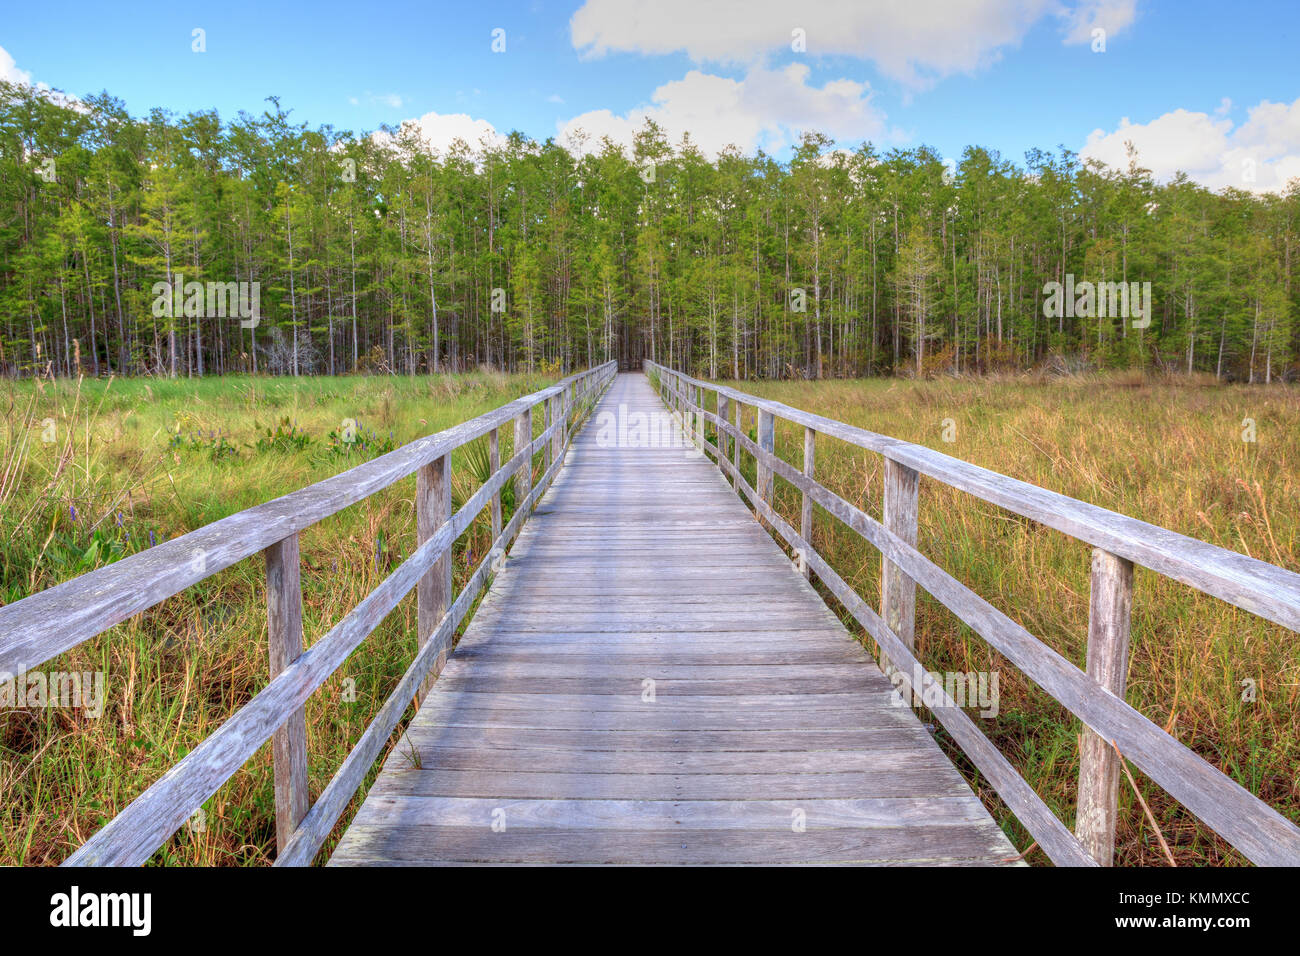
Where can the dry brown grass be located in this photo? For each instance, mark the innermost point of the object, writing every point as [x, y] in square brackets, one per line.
[1160, 449]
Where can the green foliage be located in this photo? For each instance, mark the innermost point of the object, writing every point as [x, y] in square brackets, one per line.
[525, 256]
[286, 437]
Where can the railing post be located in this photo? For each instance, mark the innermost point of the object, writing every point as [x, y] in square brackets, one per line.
[523, 438]
[806, 508]
[433, 592]
[897, 590]
[724, 440]
[1109, 615]
[494, 465]
[548, 417]
[284, 632]
[558, 417]
[767, 442]
[693, 415]
[700, 430]
[735, 449]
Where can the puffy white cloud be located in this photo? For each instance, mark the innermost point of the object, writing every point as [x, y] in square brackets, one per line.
[1262, 154]
[440, 130]
[767, 109]
[914, 41]
[9, 69]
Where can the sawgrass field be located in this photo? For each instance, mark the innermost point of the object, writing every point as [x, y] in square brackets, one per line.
[92, 471]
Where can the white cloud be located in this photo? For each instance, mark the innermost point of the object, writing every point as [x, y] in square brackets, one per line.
[440, 130]
[916, 41]
[1262, 154]
[767, 109]
[1111, 16]
[9, 70]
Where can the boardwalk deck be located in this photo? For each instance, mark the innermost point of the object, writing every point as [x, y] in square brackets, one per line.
[649, 680]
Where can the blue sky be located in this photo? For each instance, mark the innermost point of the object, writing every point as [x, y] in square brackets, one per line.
[1209, 88]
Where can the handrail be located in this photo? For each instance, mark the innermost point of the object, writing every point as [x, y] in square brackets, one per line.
[57, 619]
[1261, 833]
[48, 623]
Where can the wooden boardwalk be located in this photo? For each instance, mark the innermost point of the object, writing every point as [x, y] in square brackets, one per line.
[649, 680]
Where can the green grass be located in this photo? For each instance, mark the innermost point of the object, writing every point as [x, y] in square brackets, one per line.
[1165, 451]
[135, 461]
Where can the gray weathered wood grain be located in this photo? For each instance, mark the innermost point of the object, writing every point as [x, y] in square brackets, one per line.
[637, 651]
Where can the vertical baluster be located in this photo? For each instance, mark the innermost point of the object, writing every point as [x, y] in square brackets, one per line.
[1110, 614]
[897, 590]
[806, 509]
[558, 418]
[494, 465]
[548, 417]
[523, 438]
[433, 591]
[735, 449]
[724, 440]
[767, 442]
[284, 642]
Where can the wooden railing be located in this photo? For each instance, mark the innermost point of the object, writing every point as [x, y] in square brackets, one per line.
[47, 624]
[1096, 697]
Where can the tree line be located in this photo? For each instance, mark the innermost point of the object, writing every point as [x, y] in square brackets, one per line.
[376, 253]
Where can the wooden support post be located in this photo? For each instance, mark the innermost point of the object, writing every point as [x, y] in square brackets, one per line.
[1110, 613]
[693, 404]
[433, 591]
[897, 590]
[767, 442]
[494, 465]
[523, 438]
[284, 633]
[724, 440]
[806, 509]
[559, 415]
[548, 417]
[735, 451]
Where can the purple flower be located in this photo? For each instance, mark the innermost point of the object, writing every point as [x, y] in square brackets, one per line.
[151, 538]
[72, 511]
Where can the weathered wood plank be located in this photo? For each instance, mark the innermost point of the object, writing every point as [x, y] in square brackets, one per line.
[1110, 612]
[433, 592]
[748, 815]
[897, 590]
[419, 844]
[284, 642]
[620, 660]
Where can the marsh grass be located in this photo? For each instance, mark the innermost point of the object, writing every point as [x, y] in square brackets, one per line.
[130, 463]
[1162, 450]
